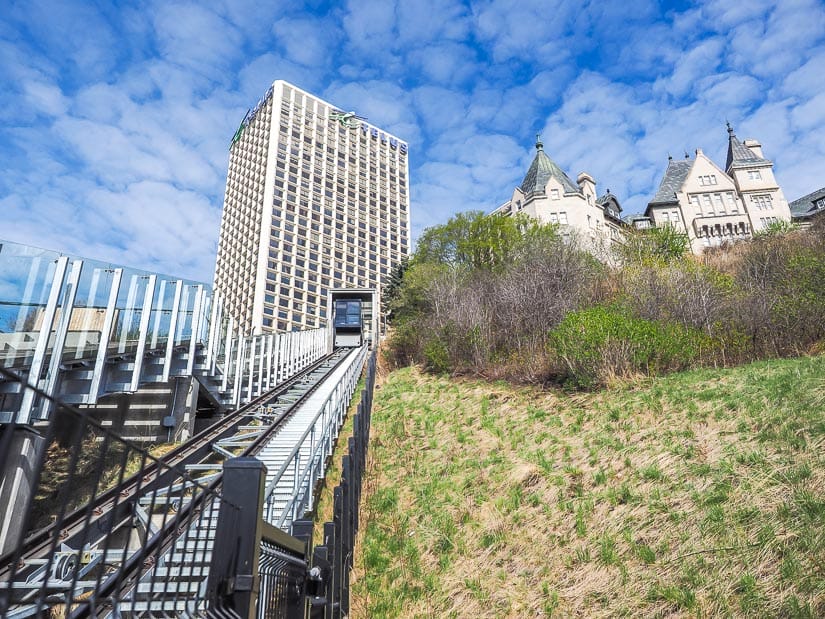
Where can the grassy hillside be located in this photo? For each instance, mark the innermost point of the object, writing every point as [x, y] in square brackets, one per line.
[695, 494]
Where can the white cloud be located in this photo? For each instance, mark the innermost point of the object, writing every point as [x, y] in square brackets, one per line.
[449, 63]
[196, 38]
[693, 64]
[45, 97]
[806, 80]
[528, 30]
[306, 41]
[370, 25]
[113, 119]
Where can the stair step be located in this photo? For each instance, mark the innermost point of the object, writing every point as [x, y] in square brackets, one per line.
[190, 558]
[159, 606]
[194, 573]
[167, 587]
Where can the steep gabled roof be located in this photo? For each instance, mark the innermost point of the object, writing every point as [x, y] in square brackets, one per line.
[608, 197]
[675, 176]
[610, 205]
[542, 170]
[805, 205]
[740, 155]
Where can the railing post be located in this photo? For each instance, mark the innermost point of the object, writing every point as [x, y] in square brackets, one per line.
[301, 530]
[338, 562]
[319, 604]
[346, 531]
[334, 573]
[234, 581]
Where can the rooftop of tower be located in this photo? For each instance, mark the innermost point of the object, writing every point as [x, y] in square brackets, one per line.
[542, 170]
[740, 155]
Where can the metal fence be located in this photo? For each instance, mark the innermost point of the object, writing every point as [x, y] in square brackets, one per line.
[104, 525]
[333, 560]
[81, 329]
[107, 528]
[260, 571]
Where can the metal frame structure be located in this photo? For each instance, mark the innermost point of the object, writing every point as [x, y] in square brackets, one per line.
[159, 329]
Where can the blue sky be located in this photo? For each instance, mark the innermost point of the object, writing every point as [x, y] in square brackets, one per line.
[115, 121]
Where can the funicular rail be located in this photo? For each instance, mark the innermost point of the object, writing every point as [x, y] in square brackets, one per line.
[165, 496]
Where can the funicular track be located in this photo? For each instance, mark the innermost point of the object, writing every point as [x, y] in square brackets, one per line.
[148, 538]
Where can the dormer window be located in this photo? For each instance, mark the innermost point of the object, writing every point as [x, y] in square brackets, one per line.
[708, 179]
[554, 194]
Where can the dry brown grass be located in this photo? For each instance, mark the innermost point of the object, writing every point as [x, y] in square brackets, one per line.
[700, 494]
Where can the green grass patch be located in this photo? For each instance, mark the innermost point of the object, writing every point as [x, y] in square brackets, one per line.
[699, 493]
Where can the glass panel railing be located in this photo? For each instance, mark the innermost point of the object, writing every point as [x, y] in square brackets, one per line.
[26, 278]
[26, 275]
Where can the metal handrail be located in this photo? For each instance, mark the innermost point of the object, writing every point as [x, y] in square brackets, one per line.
[358, 363]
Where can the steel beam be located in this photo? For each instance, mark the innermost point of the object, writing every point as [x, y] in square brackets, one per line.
[24, 414]
[197, 312]
[143, 332]
[105, 335]
[60, 332]
[173, 324]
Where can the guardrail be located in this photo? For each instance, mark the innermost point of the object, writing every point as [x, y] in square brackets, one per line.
[79, 512]
[256, 561]
[121, 532]
[308, 458]
[80, 329]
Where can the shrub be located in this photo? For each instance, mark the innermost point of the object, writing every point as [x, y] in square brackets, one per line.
[436, 356]
[595, 344]
[404, 345]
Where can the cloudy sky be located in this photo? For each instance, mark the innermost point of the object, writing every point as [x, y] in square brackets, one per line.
[115, 121]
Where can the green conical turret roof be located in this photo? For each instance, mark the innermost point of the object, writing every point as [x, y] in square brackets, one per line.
[542, 170]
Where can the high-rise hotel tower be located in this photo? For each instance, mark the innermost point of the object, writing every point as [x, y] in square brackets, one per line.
[316, 199]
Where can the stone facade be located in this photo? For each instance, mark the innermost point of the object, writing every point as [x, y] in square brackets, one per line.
[713, 206]
[550, 196]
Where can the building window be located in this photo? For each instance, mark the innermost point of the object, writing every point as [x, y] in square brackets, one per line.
[754, 175]
[554, 218]
[707, 179]
[554, 194]
[707, 203]
[563, 218]
[719, 205]
[694, 201]
[762, 201]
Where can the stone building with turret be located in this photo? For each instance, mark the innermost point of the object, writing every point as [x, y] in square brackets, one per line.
[550, 196]
[714, 205]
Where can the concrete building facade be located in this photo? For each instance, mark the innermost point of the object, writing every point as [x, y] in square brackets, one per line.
[550, 196]
[713, 206]
[316, 198]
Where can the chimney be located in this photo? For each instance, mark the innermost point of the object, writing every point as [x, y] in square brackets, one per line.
[586, 184]
[755, 147]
